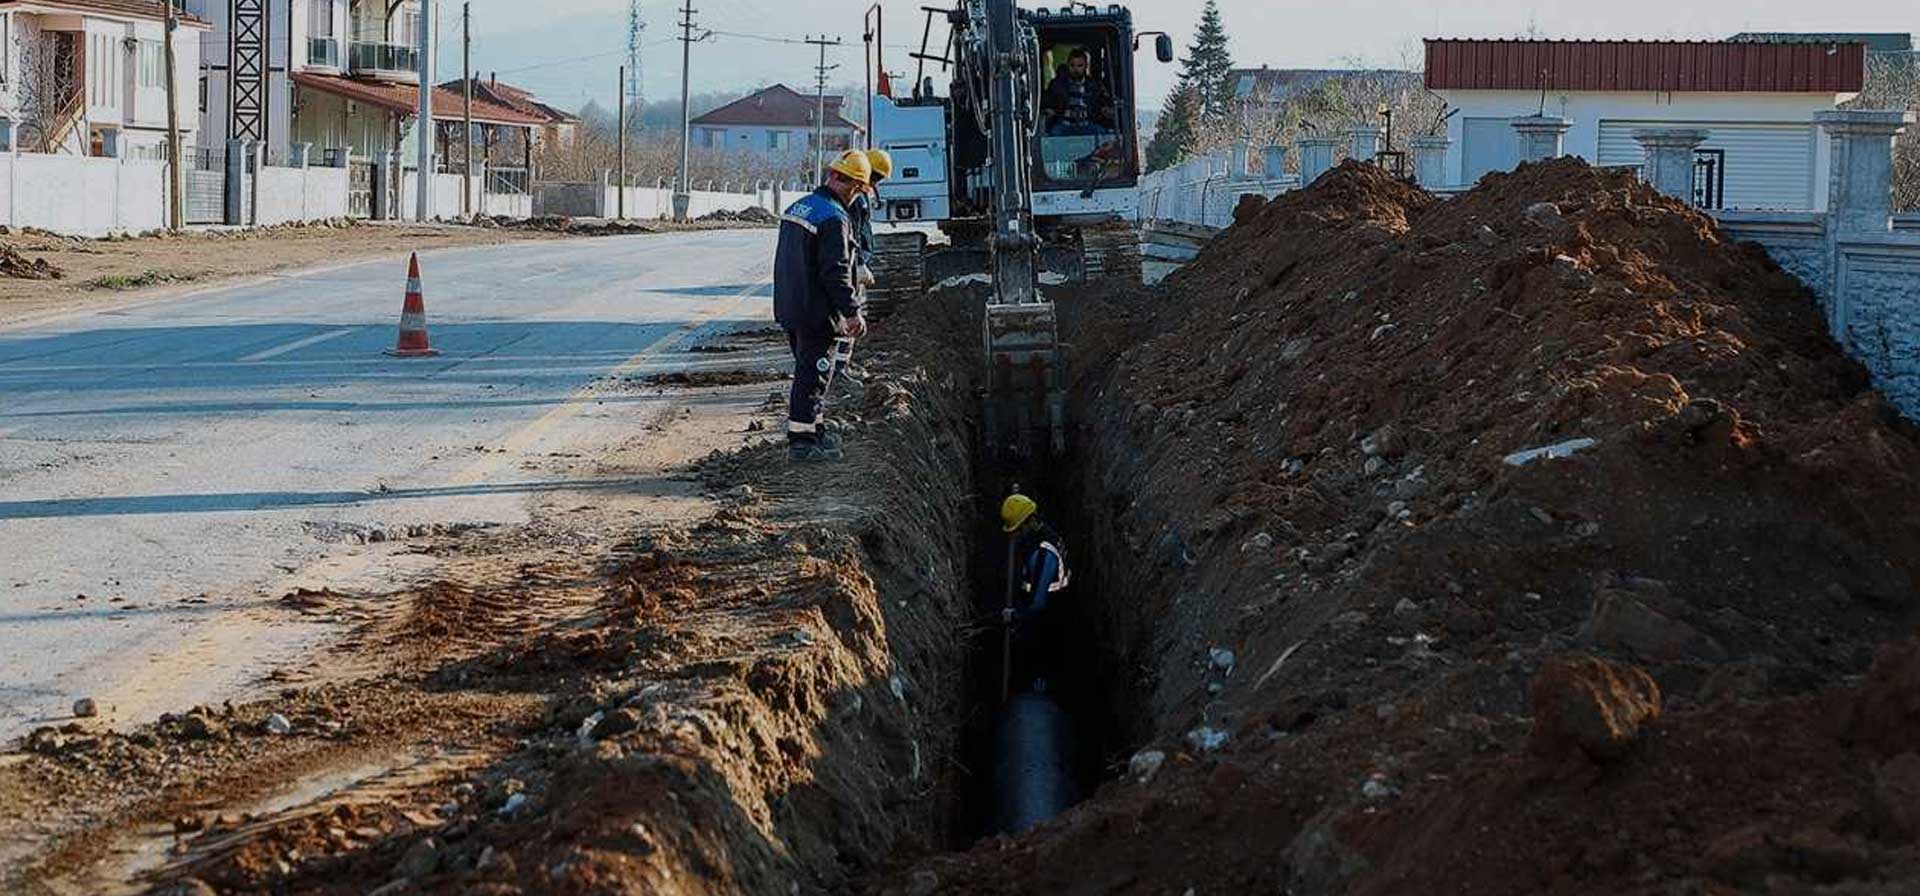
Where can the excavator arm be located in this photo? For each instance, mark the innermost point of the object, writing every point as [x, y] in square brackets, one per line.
[1025, 407]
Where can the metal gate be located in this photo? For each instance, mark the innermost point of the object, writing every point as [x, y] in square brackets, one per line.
[207, 186]
[360, 190]
[1709, 178]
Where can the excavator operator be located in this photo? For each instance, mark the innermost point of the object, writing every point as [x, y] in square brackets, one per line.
[1078, 104]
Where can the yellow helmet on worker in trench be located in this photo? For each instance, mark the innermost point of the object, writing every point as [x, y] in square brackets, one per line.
[882, 164]
[1015, 511]
[853, 163]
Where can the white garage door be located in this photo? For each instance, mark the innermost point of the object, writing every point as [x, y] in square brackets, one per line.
[1769, 166]
[1487, 144]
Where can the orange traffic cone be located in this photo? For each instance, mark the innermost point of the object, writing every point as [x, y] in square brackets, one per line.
[413, 318]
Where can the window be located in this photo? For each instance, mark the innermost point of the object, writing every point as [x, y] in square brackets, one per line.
[320, 18]
[153, 64]
[6, 46]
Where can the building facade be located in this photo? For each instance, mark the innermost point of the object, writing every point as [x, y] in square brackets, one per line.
[88, 77]
[1755, 101]
[775, 123]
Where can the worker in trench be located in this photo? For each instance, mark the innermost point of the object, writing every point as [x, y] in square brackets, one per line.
[1038, 576]
[817, 299]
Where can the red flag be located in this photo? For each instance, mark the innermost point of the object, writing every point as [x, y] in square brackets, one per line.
[886, 85]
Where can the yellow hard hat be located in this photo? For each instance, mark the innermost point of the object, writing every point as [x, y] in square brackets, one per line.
[853, 163]
[881, 162]
[1015, 511]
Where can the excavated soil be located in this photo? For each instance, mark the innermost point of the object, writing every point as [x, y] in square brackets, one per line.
[1369, 645]
[1533, 541]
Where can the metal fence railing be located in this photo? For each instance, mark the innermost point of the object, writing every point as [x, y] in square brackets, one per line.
[509, 181]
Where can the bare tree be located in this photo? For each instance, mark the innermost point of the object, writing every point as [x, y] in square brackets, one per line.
[47, 90]
[1327, 103]
[1893, 82]
[652, 156]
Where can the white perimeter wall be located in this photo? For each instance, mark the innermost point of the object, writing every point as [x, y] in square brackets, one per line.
[301, 194]
[82, 196]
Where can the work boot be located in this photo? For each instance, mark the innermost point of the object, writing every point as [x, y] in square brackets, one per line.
[818, 450]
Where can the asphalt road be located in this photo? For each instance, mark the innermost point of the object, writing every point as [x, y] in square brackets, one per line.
[178, 461]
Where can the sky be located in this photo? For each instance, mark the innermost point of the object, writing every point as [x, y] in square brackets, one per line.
[570, 51]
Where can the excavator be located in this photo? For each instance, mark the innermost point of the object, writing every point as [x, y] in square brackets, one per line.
[1017, 185]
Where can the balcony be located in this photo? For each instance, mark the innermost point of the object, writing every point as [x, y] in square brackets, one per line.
[323, 52]
[382, 60]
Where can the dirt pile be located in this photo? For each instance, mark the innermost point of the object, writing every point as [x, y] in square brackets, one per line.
[18, 266]
[1394, 457]
[750, 215]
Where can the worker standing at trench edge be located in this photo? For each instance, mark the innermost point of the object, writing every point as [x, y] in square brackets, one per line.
[1038, 576]
[816, 299]
[880, 163]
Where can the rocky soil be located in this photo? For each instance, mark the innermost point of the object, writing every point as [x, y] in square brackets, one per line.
[1538, 540]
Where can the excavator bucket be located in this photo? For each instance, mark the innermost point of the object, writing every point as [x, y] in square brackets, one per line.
[1025, 412]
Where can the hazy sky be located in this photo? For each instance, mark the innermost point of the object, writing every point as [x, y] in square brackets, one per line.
[570, 50]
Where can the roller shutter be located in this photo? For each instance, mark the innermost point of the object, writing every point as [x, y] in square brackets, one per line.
[1769, 166]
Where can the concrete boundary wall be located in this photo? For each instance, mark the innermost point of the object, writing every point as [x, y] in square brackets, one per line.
[300, 194]
[1205, 191]
[643, 203]
[82, 196]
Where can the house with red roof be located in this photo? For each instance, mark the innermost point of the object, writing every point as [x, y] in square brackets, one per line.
[1754, 99]
[88, 77]
[335, 75]
[558, 125]
[777, 123]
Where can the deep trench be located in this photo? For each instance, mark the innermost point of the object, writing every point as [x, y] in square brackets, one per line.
[1089, 680]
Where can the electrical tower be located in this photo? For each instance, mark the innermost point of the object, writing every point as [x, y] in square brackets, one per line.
[636, 80]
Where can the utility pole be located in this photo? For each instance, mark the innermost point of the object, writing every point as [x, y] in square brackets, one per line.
[621, 202]
[683, 189]
[820, 117]
[176, 154]
[466, 81]
[424, 132]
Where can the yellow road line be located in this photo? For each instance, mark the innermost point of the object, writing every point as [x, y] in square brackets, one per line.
[481, 470]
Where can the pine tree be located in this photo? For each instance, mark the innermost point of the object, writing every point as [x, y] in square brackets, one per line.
[1209, 66]
[1173, 137]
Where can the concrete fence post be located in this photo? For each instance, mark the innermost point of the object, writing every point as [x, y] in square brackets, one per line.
[1860, 203]
[1542, 137]
[1367, 143]
[235, 212]
[1316, 157]
[1273, 162]
[1237, 156]
[1860, 194]
[1669, 159]
[1430, 160]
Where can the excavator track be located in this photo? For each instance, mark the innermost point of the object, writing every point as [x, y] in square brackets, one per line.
[899, 271]
[1111, 251]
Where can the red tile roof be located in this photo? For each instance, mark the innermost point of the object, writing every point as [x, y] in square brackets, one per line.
[1677, 66]
[402, 97]
[777, 106]
[513, 98]
[137, 9]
